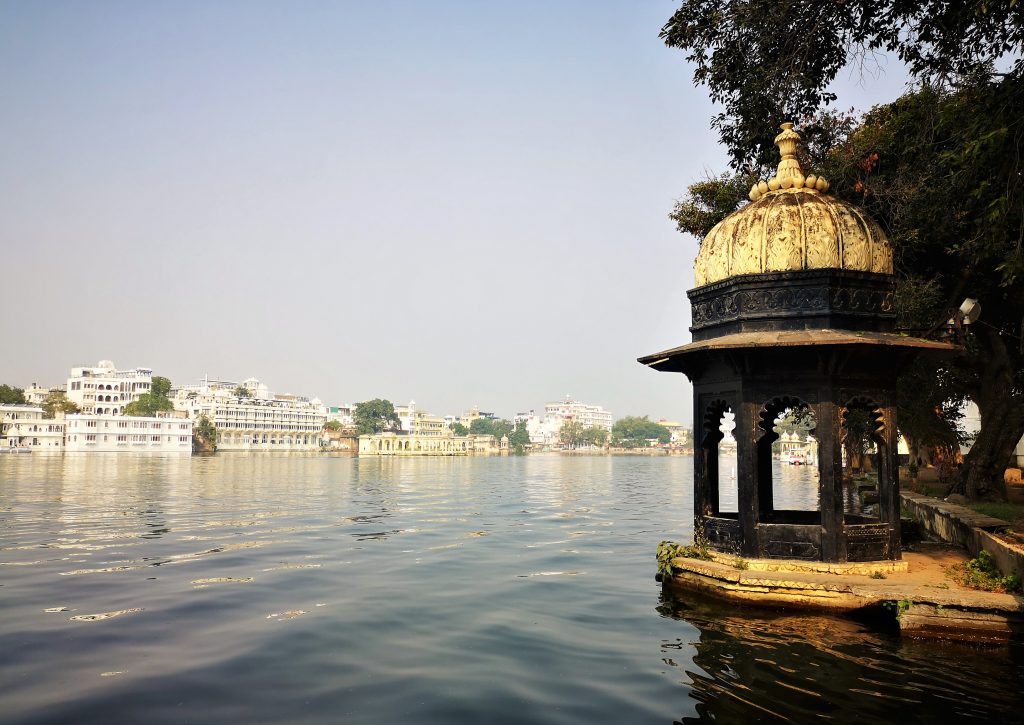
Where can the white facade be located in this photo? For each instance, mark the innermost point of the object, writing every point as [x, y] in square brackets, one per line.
[419, 422]
[24, 427]
[262, 421]
[118, 433]
[35, 394]
[105, 390]
[545, 430]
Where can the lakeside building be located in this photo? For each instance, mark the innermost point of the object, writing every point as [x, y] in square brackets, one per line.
[420, 423]
[36, 394]
[414, 444]
[105, 390]
[23, 427]
[545, 430]
[259, 420]
[680, 433]
[344, 414]
[115, 433]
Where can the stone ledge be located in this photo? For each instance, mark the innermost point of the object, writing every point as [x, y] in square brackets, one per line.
[964, 527]
[921, 602]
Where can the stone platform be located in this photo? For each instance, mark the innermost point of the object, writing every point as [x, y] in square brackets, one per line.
[916, 592]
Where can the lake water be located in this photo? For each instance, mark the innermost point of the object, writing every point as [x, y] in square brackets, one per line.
[262, 588]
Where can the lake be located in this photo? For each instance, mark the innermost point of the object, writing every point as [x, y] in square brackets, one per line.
[291, 588]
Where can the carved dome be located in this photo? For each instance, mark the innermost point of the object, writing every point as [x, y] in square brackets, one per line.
[792, 223]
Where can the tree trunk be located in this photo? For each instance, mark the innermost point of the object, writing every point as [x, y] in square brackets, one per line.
[1002, 423]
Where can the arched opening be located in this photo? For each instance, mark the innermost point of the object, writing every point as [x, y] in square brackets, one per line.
[718, 448]
[864, 452]
[787, 461]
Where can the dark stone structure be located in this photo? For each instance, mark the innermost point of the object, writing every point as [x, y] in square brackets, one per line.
[785, 334]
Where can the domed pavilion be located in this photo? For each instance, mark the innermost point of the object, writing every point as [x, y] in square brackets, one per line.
[793, 310]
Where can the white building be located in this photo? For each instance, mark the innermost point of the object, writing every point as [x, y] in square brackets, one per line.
[260, 420]
[105, 390]
[35, 394]
[420, 422]
[342, 413]
[545, 430]
[24, 427]
[111, 432]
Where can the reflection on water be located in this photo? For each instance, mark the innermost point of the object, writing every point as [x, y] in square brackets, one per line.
[292, 588]
[777, 666]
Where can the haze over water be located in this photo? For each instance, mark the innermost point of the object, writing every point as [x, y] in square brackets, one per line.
[261, 588]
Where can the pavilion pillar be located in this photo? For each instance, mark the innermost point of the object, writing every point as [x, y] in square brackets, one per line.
[746, 477]
[888, 480]
[830, 477]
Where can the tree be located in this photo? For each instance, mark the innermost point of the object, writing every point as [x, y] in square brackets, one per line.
[148, 405]
[767, 62]
[333, 425]
[160, 386]
[376, 416]
[205, 434]
[153, 402]
[12, 396]
[57, 402]
[595, 436]
[241, 391]
[939, 168]
[497, 427]
[634, 432]
[571, 433]
[520, 437]
[459, 429]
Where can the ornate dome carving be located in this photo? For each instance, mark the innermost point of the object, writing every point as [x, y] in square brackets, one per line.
[792, 223]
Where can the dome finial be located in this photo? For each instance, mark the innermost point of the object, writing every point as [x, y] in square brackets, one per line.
[789, 175]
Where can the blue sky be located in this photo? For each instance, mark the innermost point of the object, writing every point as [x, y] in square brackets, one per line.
[460, 203]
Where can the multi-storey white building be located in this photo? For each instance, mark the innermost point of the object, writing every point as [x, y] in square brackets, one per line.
[24, 427]
[111, 432]
[35, 394]
[545, 430]
[256, 419]
[105, 390]
[419, 422]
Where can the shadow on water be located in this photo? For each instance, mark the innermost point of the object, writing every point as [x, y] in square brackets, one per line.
[744, 664]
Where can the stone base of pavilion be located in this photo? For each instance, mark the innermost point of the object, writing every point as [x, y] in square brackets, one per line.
[915, 592]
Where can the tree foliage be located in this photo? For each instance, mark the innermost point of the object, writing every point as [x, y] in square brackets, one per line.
[520, 438]
[241, 391]
[148, 405]
[459, 429]
[205, 433]
[571, 433]
[57, 402]
[376, 416]
[153, 402]
[940, 169]
[160, 386]
[496, 427]
[333, 425]
[636, 432]
[11, 396]
[767, 62]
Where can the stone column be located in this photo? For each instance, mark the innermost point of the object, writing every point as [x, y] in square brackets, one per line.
[830, 477]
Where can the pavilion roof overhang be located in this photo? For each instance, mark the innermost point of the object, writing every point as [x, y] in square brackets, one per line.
[675, 359]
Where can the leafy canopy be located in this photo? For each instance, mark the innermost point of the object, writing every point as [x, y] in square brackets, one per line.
[153, 402]
[767, 62]
[376, 416]
[57, 402]
[11, 396]
[633, 432]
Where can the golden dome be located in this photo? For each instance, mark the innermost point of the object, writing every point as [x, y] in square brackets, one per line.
[792, 224]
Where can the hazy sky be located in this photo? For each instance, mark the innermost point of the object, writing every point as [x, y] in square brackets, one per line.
[461, 203]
